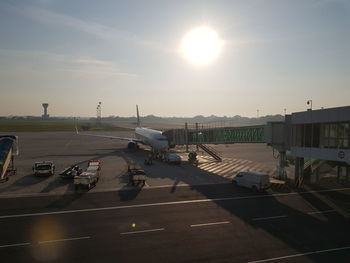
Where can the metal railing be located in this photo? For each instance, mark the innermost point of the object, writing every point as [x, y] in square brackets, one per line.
[218, 135]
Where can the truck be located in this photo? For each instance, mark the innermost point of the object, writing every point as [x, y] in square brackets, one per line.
[96, 163]
[45, 168]
[136, 175]
[6, 157]
[253, 180]
[89, 177]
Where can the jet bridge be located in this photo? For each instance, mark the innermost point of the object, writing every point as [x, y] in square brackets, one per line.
[216, 135]
[202, 134]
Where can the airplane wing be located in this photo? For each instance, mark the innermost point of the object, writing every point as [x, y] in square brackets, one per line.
[109, 137]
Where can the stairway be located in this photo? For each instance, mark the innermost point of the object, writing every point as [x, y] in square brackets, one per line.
[211, 151]
[313, 163]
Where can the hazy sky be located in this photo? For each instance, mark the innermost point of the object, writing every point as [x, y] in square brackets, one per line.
[73, 54]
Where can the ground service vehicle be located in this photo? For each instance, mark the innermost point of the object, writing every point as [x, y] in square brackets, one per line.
[192, 158]
[253, 180]
[43, 168]
[71, 171]
[95, 162]
[90, 177]
[172, 158]
[136, 175]
[86, 179]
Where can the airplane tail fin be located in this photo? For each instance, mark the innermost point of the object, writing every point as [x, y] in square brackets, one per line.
[76, 126]
[138, 116]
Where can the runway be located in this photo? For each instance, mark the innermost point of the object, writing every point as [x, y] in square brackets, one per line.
[212, 223]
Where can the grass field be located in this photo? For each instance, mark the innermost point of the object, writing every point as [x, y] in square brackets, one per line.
[41, 126]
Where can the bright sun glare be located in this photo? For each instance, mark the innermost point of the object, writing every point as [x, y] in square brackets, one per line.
[201, 45]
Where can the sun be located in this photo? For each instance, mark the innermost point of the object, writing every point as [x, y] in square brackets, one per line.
[201, 45]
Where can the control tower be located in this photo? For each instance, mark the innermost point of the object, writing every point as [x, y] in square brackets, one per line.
[45, 115]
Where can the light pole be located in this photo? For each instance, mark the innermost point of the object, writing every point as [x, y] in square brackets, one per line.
[257, 113]
[285, 111]
[309, 102]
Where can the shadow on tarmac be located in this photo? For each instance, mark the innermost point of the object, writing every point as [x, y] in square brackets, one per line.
[300, 230]
[27, 180]
[65, 200]
[128, 194]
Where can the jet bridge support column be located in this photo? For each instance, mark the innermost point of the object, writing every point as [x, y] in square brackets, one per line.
[282, 174]
[186, 136]
[299, 169]
[197, 138]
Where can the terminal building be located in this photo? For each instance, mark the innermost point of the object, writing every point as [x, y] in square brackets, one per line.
[320, 138]
[322, 134]
[316, 142]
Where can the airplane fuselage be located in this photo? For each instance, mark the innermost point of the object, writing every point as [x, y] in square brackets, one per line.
[153, 138]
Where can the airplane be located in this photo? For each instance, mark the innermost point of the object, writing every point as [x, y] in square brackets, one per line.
[146, 136]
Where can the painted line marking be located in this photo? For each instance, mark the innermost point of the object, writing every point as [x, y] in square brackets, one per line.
[301, 254]
[142, 231]
[270, 217]
[15, 245]
[210, 224]
[168, 203]
[67, 144]
[321, 212]
[62, 240]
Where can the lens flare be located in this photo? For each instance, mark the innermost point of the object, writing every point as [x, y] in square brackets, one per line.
[45, 230]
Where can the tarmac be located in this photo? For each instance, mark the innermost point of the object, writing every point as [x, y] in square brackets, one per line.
[211, 223]
[68, 148]
[185, 213]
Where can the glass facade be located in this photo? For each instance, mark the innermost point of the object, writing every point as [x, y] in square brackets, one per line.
[322, 135]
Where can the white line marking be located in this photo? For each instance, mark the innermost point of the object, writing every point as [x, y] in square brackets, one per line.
[142, 231]
[321, 212]
[15, 245]
[167, 203]
[167, 186]
[300, 254]
[68, 143]
[209, 224]
[62, 240]
[267, 218]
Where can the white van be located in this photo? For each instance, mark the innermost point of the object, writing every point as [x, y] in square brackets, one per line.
[252, 180]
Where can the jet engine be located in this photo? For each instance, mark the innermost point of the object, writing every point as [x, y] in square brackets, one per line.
[132, 145]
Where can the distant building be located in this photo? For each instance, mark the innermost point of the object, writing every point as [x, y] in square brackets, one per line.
[45, 115]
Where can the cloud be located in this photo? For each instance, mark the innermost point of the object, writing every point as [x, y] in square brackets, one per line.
[35, 60]
[45, 16]
[99, 67]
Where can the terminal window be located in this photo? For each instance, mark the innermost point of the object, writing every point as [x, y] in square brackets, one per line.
[322, 135]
